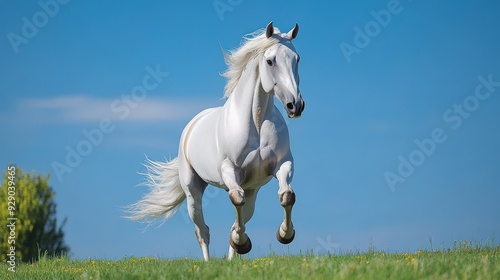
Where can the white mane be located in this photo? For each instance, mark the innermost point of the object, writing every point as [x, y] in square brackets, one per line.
[254, 44]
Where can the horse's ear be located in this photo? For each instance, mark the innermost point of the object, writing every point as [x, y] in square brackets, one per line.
[269, 30]
[293, 33]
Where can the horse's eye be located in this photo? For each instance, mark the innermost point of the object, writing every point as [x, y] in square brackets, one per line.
[269, 62]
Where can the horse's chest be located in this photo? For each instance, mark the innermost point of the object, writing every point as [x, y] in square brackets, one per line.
[257, 167]
[259, 160]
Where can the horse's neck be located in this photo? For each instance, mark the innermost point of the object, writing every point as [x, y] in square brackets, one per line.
[249, 102]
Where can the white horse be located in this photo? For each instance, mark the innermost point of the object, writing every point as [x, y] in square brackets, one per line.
[238, 147]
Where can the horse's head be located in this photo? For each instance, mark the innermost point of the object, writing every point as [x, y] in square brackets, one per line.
[279, 71]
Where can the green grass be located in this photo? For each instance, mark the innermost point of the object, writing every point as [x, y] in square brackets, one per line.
[462, 262]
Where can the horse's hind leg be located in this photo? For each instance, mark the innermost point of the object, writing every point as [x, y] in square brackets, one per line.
[238, 238]
[286, 232]
[194, 205]
[194, 187]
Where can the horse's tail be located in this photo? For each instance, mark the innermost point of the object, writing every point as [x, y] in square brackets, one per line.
[165, 195]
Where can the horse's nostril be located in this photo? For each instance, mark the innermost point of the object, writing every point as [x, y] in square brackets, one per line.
[289, 106]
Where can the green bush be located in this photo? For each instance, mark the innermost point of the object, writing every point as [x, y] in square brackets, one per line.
[28, 217]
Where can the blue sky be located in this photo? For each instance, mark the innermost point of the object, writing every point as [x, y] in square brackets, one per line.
[398, 142]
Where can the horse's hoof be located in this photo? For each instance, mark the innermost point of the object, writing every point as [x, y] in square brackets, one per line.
[284, 240]
[243, 248]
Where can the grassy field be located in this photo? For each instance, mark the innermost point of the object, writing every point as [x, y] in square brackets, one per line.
[462, 262]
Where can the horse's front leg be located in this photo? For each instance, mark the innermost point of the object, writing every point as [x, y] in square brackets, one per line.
[238, 239]
[284, 174]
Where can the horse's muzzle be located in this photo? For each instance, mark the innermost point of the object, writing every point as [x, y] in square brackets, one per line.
[294, 109]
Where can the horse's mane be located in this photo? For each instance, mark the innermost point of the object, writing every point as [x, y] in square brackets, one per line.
[254, 44]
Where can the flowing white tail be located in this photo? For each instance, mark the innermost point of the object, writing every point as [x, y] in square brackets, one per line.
[165, 195]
